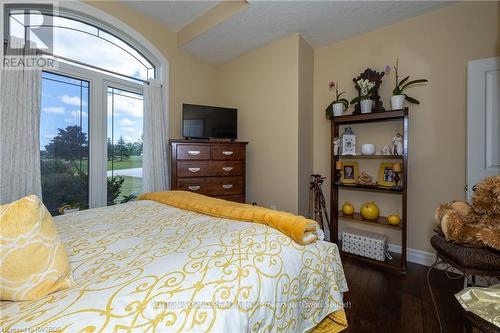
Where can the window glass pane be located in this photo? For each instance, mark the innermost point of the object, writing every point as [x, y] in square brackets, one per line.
[16, 28]
[125, 116]
[64, 143]
[84, 43]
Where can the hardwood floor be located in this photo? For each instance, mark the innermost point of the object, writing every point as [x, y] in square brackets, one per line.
[381, 301]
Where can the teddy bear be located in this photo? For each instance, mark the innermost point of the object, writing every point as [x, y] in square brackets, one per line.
[476, 224]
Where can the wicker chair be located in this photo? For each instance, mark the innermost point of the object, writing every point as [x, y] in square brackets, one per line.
[468, 262]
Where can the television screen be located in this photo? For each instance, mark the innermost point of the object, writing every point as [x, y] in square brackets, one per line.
[203, 121]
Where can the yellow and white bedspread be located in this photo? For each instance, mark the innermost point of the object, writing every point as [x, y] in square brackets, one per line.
[148, 267]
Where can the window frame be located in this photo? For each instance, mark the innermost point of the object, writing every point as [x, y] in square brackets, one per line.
[111, 24]
[98, 124]
[84, 19]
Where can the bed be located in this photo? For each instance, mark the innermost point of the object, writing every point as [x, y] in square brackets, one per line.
[145, 266]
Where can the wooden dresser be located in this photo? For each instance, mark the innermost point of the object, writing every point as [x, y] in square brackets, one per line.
[213, 168]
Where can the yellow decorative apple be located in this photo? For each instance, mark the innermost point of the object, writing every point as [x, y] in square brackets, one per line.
[393, 219]
[347, 208]
[370, 211]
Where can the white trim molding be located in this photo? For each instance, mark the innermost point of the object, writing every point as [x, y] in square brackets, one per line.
[415, 256]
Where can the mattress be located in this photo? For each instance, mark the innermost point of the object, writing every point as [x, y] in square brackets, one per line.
[148, 267]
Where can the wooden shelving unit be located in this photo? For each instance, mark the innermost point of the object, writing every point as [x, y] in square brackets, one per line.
[398, 263]
[381, 221]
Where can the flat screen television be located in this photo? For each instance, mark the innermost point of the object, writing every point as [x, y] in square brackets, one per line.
[206, 122]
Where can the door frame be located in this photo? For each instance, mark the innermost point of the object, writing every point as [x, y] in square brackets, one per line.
[476, 93]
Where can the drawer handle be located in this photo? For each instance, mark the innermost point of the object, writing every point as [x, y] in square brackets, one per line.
[227, 168]
[194, 169]
[227, 153]
[194, 152]
[194, 187]
[227, 186]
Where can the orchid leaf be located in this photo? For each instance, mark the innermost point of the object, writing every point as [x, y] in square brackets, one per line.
[343, 101]
[356, 100]
[403, 81]
[340, 94]
[411, 99]
[413, 82]
[329, 110]
[396, 91]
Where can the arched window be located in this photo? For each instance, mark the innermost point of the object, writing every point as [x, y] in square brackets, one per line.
[75, 41]
[91, 108]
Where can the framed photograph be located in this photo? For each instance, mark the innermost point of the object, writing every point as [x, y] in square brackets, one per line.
[386, 175]
[350, 173]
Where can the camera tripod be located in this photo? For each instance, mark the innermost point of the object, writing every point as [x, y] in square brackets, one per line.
[317, 201]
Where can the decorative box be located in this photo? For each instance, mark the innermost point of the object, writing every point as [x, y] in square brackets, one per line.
[364, 243]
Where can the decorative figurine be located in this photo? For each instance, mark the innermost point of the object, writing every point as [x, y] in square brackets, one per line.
[336, 146]
[366, 179]
[386, 150]
[348, 142]
[397, 144]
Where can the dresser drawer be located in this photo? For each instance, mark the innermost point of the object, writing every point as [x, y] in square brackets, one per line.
[229, 152]
[212, 185]
[209, 168]
[193, 152]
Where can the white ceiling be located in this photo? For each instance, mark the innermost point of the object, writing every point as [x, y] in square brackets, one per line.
[173, 14]
[319, 22]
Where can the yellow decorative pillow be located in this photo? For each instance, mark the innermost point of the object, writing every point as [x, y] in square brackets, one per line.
[33, 262]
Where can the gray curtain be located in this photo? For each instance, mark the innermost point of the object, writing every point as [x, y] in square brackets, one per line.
[155, 139]
[20, 98]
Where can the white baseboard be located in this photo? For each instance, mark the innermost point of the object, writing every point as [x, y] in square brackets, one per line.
[414, 255]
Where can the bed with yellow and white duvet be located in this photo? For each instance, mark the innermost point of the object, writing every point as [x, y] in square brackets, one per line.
[149, 267]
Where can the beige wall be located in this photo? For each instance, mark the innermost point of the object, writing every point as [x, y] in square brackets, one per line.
[191, 80]
[264, 86]
[435, 46]
[305, 129]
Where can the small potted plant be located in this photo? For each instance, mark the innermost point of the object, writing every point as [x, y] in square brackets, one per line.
[339, 105]
[398, 97]
[70, 207]
[367, 88]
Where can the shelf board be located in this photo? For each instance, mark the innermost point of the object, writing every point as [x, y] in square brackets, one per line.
[368, 188]
[380, 222]
[370, 117]
[369, 157]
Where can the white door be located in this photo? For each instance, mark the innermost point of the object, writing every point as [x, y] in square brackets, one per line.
[483, 120]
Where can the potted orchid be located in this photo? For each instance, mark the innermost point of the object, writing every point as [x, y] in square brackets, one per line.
[366, 88]
[339, 104]
[398, 97]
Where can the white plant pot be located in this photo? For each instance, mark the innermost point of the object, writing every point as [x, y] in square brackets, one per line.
[397, 102]
[338, 108]
[366, 105]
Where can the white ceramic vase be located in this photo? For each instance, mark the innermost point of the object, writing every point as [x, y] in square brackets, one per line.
[397, 102]
[368, 149]
[366, 105]
[338, 108]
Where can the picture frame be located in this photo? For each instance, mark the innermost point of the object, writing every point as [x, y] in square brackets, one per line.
[386, 175]
[350, 173]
